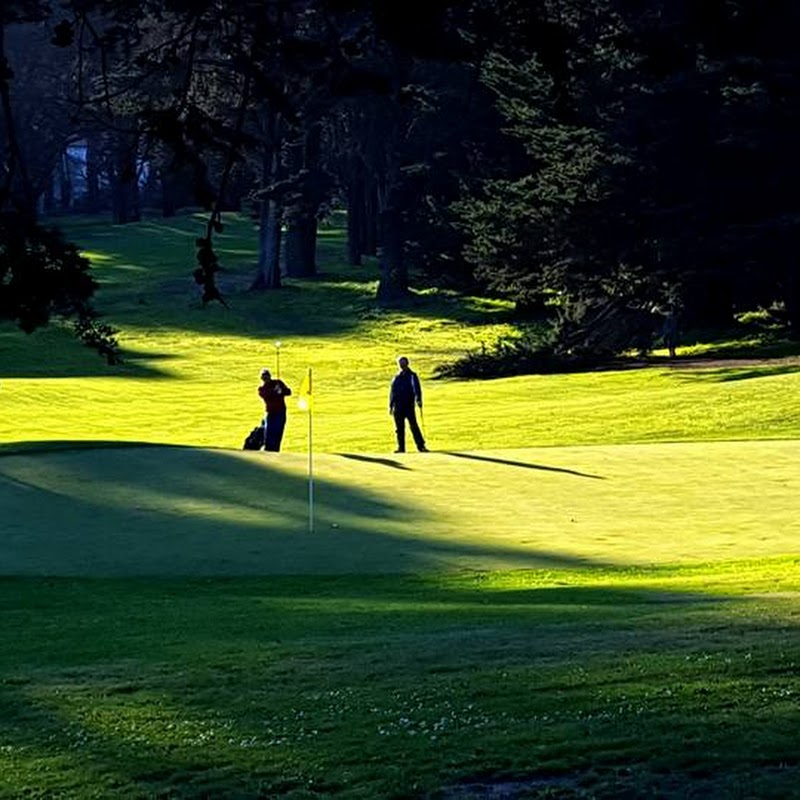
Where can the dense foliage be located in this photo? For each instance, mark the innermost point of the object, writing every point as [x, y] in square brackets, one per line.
[657, 171]
[603, 164]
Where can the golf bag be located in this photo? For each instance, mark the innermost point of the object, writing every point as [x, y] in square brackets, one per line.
[255, 439]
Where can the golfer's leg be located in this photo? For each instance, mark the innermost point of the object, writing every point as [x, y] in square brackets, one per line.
[280, 425]
[269, 438]
[400, 430]
[419, 440]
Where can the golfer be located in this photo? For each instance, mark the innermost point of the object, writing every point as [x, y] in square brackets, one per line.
[273, 392]
[405, 393]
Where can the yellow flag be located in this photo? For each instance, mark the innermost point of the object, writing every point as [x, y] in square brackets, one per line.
[305, 398]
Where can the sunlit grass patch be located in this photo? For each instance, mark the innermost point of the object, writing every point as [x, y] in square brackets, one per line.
[206, 361]
[161, 511]
[96, 256]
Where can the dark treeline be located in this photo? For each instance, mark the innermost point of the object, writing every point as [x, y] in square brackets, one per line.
[599, 162]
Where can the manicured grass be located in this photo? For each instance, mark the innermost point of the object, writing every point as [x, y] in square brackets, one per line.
[183, 511]
[588, 590]
[191, 372]
[670, 682]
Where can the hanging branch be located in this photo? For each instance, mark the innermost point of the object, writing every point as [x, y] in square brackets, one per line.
[205, 274]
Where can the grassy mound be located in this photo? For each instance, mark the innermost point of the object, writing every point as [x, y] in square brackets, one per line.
[184, 511]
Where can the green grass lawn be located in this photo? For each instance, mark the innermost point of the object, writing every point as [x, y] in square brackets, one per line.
[191, 372]
[170, 511]
[669, 682]
[588, 590]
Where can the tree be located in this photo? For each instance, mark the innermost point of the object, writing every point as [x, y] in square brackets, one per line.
[182, 67]
[536, 228]
[41, 275]
[656, 140]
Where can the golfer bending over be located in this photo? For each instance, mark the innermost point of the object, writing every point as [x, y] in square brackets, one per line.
[404, 393]
[273, 392]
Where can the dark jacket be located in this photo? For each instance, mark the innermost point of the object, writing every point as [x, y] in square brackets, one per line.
[272, 393]
[405, 391]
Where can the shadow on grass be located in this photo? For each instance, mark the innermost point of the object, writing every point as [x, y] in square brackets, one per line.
[114, 511]
[190, 688]
[523, 464]
[340, 301]
[67, 445]
[56, 353]
[387, 462]
[727, 374]
[339, 298]
[746, 343]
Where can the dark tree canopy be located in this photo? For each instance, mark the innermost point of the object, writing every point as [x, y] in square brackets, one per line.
[658, 168]
[592, 161]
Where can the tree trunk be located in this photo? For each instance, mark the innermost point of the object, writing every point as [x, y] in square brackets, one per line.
[65, 183]
[355, 217]
[393, 283]
[301, 247]
[49, 197]
[93, 168]
[370, 219]
[125, 189]
[268, 273]
[301, 227]
[169, 200]
[269, 247]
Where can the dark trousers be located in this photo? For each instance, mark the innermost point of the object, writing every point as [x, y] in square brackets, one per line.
[400, 416]
[276, 422]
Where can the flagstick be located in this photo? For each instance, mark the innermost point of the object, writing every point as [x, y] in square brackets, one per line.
[310, 455]
[310, 476]
[306, 402]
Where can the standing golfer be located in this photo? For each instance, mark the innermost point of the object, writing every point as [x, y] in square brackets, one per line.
[404, 394]
[273, 392]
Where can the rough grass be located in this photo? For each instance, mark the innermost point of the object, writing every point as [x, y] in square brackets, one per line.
[588, 591]
[619, 683]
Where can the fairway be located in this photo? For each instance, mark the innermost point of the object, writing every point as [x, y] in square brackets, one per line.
[179, 511]
[588, 589]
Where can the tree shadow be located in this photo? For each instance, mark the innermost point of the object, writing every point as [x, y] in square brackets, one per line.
[744, 343]
[145, 276]
[727, 374]
[342, 296]
[523, 464]
[54, 352]
[387, 462]
[62, 445]
[179, 680]
[126, 511]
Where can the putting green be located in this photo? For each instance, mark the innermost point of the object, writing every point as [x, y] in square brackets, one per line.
[184, 511]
